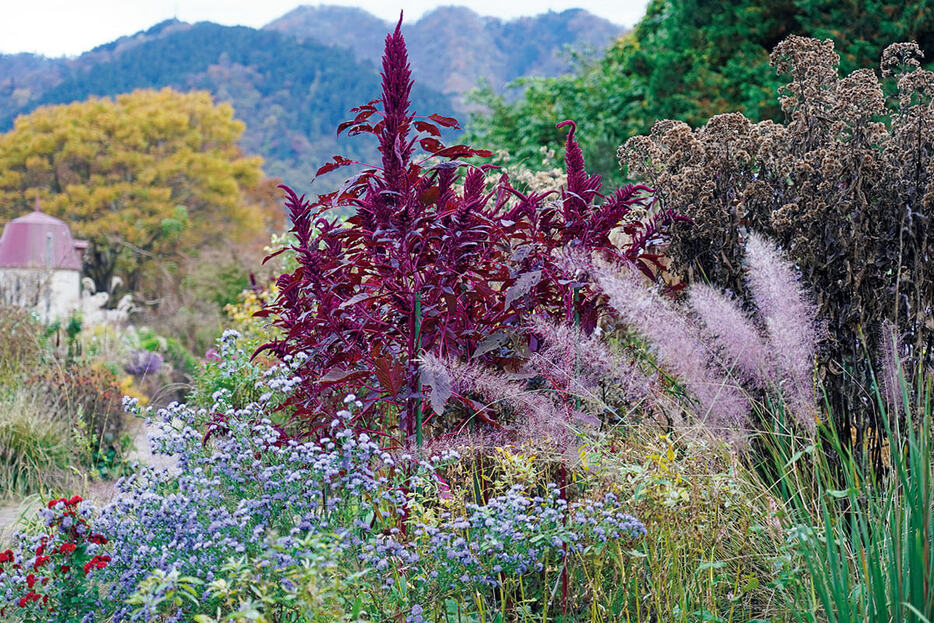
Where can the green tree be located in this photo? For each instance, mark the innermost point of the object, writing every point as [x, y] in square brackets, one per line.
[148, 178]
[690, 60]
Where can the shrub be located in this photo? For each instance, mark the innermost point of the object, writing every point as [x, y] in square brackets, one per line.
[21, 343]
[431, 266]
[37, 444]
[230, 370]
[845, 186]
[91, 399]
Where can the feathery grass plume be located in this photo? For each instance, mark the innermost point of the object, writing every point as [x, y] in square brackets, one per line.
[891, 371]
[790, 320]
[580, 363]
[539, 418]
[742, 351]
[675, 337]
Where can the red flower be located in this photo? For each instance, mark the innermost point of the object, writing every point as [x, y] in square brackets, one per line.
[98, 562]
[66, 548]
[25, 599]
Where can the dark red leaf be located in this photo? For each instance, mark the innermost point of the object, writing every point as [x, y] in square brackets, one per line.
[429, 196]
[339, 161]
[447, 122]
[431, 144]
[368, 106]
[336, 376]
[390, 375]
[361, 129]
[424, 126]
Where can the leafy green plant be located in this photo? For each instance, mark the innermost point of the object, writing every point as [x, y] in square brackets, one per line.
[868, 547]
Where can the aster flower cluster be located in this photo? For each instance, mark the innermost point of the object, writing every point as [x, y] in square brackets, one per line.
[342, 504]
[509, 536]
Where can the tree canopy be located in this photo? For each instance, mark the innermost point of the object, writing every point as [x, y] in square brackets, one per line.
[689, 60]
[147, 177]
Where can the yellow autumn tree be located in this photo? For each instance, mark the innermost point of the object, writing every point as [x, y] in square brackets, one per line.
[149, 178]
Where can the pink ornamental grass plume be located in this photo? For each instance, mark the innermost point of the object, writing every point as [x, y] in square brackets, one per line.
[579, 363]
[742, 351]
[790, 321]
[724, 410]
[891, 373]
[538, 416]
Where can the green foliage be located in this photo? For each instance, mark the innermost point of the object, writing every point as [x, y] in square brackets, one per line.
[36, 444]
[310, 590]
[231, 372]
[689, 61]
[865, 537]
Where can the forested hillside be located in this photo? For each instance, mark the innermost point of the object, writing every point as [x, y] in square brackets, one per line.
[293, 82]
[459, 47]
[291, 94]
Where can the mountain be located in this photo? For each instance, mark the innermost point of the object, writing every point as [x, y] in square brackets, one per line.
[293, 81]
[460, 46]
[291, 94]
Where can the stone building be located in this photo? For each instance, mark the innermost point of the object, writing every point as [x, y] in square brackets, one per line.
[40, 266]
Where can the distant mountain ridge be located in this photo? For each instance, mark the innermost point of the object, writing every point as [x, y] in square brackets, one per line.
[459, 45]
[292, 82]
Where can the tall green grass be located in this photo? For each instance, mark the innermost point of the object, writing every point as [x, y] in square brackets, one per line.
[865, 531]
[37, 449]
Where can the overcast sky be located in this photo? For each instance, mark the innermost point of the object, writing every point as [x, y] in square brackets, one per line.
[69, 27]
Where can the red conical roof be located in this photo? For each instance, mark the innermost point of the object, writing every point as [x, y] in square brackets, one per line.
[38, 240]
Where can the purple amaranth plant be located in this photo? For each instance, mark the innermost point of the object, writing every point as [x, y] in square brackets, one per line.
[583, 220]
[425, 265]
[410, 274]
